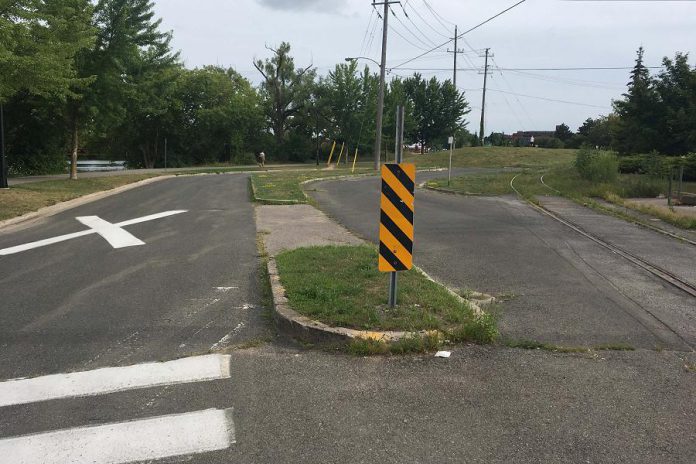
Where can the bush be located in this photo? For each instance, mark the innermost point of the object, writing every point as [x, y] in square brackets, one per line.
[596, 165]
[631, 164]
[638, 186]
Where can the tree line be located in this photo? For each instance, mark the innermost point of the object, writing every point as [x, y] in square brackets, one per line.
[657, 114]
[100, 79]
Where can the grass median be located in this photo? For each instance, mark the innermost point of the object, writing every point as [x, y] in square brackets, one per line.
[342, 287]
[25, 198]
[285, 187]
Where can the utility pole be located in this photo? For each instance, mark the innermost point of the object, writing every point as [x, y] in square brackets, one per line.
[3, 160]
[165, 153]
[382, 69]
[483, 103]
[456, 51]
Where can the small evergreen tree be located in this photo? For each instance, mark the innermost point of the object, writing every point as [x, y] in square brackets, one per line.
[638, 112]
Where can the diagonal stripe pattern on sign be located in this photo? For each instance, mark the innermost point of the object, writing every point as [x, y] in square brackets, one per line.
[396, 217]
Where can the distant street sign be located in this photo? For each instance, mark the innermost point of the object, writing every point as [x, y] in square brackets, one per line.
[396, 217]
[450, 140]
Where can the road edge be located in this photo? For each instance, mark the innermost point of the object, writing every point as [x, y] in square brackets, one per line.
[48, 211]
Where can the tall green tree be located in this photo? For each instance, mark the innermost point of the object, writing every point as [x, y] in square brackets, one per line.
[676, 90]
[220, 115]
[438, 109]
[38, 43]
[638, 112]
[285, 90]
[125, 30]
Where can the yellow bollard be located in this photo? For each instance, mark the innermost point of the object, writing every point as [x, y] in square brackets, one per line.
[354, 160]
[338, 162]
[328, 163]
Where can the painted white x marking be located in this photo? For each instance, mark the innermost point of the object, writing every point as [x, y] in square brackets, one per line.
[112, 233]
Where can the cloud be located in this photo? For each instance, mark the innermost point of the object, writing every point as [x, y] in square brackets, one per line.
[321, 6]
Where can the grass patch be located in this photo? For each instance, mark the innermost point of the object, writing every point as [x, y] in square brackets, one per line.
[284, 187]
[564, 179]
[25, 198]
[341, 286]
[495, 157]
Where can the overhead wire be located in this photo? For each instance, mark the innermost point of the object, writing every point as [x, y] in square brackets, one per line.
[509, 86]
[427, 42]
[406, 39]
[367, 30]
[550, 99]
[462, 34]
[437, 15]
[422, 19]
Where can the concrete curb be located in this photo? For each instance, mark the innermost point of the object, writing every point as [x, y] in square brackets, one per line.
[301, 327]
[48, 211]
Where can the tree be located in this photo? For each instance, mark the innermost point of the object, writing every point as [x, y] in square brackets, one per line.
[126, 29]
[149, 102]
[563, 132]
[219, 116]
[285, 90]
[638, 112]
[38, 44]
[676, 89]
[595, 132]
[343, 92]
[438, 109]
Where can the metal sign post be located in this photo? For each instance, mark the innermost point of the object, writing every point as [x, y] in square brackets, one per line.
[396, 213]
[449, 171]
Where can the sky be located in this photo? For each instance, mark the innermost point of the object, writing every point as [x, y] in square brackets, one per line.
[536, 34]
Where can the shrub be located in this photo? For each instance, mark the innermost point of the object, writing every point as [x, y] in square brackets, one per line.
[638, 186]
[596, 165]
[631, 164]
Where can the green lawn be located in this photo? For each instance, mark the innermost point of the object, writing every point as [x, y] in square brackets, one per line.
[25, 198]
[494, 157]
[284, 186]
[341, 286]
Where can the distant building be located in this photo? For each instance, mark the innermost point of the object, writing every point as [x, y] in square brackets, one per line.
[527, 138]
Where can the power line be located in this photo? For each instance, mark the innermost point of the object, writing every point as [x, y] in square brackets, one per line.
[599, 68]
[463, 33]
[549, 99]
[437, 15]
[576, 82]
[428, 42]
[423, 19]
[367, 31]
[395, 31]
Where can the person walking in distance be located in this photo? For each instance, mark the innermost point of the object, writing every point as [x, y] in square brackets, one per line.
[261, 159]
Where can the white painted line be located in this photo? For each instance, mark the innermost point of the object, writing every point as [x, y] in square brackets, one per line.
[151, 217]
[40, 243]
[114, 379]
[124, 442]
[224, 341]
[62, 238]
[116, 236]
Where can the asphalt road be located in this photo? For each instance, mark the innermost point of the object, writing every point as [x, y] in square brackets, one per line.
[560, 287]
[80, 305]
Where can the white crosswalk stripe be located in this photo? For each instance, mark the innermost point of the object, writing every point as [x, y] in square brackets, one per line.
[153, 438]
[114, 379]
[121, 442]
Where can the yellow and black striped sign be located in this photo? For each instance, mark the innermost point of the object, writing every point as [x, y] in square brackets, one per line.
[396, 217]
